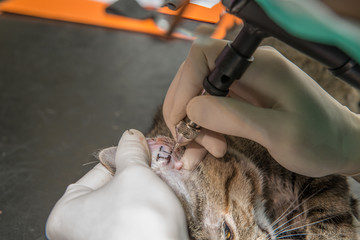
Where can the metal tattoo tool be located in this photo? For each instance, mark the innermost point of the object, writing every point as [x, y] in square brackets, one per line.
[237, 56]
[186, 130]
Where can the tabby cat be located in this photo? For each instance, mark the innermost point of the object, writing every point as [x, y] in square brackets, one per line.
[248, 195]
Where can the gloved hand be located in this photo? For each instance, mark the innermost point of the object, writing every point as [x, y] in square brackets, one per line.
[275, 104]
[133, 204]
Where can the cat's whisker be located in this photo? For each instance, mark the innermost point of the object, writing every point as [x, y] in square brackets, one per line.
[195, 167]
[279, 219]
[88, 163]
[299, 205]
[299, 234]
[293, 235]
[305, 225]
[269, 237]
[283, 229]
[301, 213]
[285, 213]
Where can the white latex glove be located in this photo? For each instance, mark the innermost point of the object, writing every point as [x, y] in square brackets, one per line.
[275, 104]
[133, 204]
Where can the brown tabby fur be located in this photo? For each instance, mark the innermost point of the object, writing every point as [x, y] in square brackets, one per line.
[233, 188]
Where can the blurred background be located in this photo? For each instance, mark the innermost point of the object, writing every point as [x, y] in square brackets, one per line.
[66, 91]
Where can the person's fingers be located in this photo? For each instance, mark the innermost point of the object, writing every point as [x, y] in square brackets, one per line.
[270, 80]
[214, 142]
[209, 141]
[188, 80]
[91, 181]
[194, 153]
[171, 116]
[132, 150]
[59, 217]
[95, 178]
[270, 74]
[234, 117]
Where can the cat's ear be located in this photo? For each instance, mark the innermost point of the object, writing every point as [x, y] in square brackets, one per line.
[107, 158]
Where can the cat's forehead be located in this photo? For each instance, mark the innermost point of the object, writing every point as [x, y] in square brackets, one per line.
[239, 219]
[229, 196]
[231, 178]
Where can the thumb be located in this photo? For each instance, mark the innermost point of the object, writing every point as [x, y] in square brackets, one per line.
[235, 117]
[132, 150]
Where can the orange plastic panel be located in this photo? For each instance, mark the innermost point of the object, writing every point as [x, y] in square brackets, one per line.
[93, 13]
[199, 13]
[79, 11]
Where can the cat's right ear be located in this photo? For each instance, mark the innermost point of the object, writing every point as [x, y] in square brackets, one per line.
[107, 159]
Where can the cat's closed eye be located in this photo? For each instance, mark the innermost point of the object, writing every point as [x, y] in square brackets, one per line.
[228, 235]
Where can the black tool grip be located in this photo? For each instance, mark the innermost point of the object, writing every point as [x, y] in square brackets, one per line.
[338, 62]
[233, 61]
[230, 65]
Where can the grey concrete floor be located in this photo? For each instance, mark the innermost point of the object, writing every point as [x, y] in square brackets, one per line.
[66, 91]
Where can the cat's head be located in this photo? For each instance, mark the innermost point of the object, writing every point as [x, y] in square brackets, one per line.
[222, 198]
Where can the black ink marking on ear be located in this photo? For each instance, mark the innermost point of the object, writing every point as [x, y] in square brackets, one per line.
[168, 158]
[163, 150]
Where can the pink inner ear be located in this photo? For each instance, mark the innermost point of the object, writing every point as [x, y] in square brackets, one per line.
[153, 144]
[162, 153]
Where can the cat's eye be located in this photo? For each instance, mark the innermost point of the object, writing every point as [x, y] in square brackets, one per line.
[227, 232]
